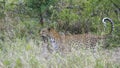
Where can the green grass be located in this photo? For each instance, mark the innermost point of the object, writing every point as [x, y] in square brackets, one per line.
[29, 54]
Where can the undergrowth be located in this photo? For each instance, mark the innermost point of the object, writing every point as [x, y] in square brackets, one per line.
[29, 54]
[20, 47]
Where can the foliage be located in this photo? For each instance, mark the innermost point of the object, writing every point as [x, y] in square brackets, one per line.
[20, 45]
[40, 6]
[87, 13]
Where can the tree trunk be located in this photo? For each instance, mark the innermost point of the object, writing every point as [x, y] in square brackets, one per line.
[41, 20]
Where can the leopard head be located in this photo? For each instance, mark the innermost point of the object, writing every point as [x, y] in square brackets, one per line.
[45, 33]
[48, 35]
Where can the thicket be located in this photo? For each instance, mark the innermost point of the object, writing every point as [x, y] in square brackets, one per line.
[24, 18]
[21, 20]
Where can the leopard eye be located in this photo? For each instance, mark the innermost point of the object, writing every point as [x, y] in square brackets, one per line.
[43, 31]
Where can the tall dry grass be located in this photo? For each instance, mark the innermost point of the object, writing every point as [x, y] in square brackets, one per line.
[30, 54]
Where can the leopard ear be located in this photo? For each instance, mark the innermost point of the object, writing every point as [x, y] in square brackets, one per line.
[49, 28]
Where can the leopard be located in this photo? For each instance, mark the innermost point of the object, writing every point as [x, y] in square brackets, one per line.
[64, 43]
